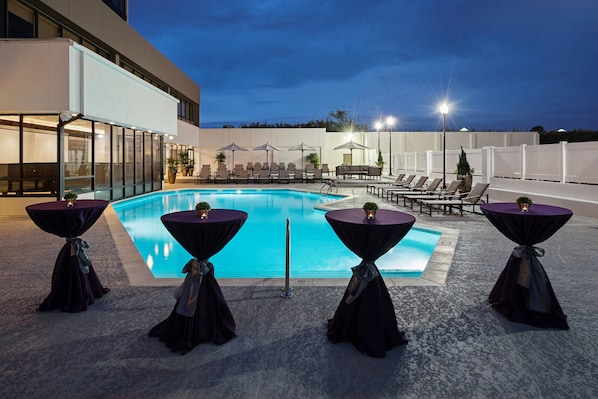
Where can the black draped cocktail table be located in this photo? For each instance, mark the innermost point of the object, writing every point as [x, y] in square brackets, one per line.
[201, 313]
[523, 292]
[75, 284]
[365, 315]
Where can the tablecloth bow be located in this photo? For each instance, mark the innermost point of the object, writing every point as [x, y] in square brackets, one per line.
[78, 247]
[187, 293]
[363, 273]
[532, 276]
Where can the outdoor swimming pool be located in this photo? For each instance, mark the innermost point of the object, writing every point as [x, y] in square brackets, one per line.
[258, 250]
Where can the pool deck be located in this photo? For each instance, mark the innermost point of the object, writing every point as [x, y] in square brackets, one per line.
[458, 346]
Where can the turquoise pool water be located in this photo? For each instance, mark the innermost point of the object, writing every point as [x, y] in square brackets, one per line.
[259, 249]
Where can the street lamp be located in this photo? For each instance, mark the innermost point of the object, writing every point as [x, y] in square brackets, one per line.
[444, 110]
[390, 121]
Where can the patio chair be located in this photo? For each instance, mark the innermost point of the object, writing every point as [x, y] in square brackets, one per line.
[283, 176]
[387, 191]
[204, 175]
[448, 193]
[242, 176]
[373, 187]
[471, 199]
[309, 171]
[221, 176]
[325, 169]
[262, 176]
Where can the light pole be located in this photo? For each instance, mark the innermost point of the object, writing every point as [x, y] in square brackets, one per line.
[390, 121]
[444, 110]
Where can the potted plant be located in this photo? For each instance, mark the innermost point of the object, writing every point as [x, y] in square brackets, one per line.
[370, 209]
[70, 198]
[184, 161]
[380, 161]
[220, 158]
[524, 203]
[464, 172]
[172, 169]
[202, 209]
[314, 159]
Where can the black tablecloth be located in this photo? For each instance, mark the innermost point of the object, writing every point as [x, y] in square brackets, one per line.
[523, 292]
[201, 313]
[75, 284]
[365, 315]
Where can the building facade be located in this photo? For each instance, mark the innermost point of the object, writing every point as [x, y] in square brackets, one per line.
[87, 104]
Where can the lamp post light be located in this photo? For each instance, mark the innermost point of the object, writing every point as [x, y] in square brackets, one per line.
[390, 121]
[444, 110]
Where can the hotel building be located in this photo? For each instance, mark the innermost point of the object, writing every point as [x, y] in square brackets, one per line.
[86, 103]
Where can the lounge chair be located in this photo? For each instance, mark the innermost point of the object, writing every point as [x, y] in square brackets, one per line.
[204, 175]
[274, 171]
[471, 199]
[387, 191]
[424, 189]
[325, 169]
[373, 187]
[283, 176]
[449, 193]
[221, 176]
[242, 176]
[262, 176]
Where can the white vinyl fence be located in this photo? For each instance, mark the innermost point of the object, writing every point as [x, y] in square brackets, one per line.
[563, 174]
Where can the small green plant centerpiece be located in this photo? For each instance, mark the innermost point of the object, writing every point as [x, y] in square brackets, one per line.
[524, 203]
[202, 209]
[370, 209]
[70, 198]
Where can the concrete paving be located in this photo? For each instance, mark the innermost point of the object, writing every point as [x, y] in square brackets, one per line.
[458, 346]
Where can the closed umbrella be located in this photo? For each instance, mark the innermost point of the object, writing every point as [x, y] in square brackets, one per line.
[351, 145]
[233, 147]
[302, 147]
[266, 147]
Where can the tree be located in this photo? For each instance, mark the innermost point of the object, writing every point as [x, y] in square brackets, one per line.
[342, 122]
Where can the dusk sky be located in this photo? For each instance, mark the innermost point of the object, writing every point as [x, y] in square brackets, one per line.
[501, 65]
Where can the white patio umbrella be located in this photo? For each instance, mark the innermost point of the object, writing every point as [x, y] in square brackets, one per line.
[233, 147]
[267, 147]
[351, 145]
[302, 147]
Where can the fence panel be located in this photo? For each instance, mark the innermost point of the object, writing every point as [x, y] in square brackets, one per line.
[543, 162]
[581, 162]
[507, 162]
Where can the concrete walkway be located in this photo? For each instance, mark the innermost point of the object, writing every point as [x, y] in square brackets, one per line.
[458, 346]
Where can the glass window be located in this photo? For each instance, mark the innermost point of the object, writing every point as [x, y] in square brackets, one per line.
[118, 156]
[102, 155]
[9, 154]
[20, 21]
[40, 154]
[156, 159]
[147, 152]
[129, 157]
[47, 29]
[138, 156]
[77, 155]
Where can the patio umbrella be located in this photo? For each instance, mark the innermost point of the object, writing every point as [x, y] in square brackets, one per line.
[302, 147]
[266, 147]
[232, 147]
[351, 145]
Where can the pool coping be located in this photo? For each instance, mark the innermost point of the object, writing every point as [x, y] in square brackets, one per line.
[139, 274]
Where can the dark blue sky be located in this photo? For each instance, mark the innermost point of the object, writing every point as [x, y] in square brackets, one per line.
[501, 65]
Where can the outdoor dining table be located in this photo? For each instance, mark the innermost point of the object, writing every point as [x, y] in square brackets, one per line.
[75, 283]
[523, 292]
[201, 313]
[366, 315]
